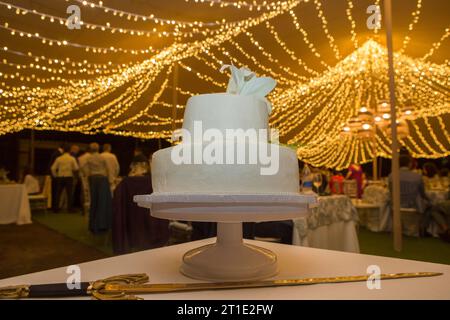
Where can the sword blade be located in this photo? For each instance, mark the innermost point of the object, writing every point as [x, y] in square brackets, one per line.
[179, 287]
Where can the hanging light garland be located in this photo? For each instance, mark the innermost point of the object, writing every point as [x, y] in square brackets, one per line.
[329, 114]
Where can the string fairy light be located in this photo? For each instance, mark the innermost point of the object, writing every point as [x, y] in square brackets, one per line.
[310, 45]
[348, 11]
[435, 46]
[324, 21]
[416, 16]
[90, 26]
[311, 109]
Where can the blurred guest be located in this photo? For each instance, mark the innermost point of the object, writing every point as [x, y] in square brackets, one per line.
[337, 183]
[444, 179]
[74, 151]
[441, 215]
[83, 156]
[355, 172]
[30, 182]
[59, 151]
[85, 193]
[112, 164]
[140, 165]
[100, 211]
[431, 177]
[63, 169]
[412, 191]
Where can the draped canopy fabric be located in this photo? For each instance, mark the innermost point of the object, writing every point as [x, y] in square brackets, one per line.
[131, 66]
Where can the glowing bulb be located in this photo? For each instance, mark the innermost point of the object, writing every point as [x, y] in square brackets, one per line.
[366, 126]
[363, 109]
[386, 116]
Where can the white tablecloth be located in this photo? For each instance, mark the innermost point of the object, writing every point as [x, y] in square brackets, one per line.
[331, 225]
[14, 204]
[162, 266]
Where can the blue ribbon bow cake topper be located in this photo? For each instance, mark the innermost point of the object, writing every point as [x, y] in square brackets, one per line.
[245, 82]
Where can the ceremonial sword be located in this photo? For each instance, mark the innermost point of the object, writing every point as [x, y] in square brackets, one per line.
[124, 287]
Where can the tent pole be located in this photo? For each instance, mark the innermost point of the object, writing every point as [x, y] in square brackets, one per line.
[32, 156]
[395, 173]
[174, 96]
[375, 160]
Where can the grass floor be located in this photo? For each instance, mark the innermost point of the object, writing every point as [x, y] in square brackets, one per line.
[75, 226]
[422, 249]
[434, 250]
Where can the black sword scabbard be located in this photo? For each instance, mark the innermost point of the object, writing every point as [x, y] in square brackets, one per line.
[58, 290]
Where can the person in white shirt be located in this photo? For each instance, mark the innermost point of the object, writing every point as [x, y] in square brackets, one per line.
[63, 170]
[111, 163]
[100, 209]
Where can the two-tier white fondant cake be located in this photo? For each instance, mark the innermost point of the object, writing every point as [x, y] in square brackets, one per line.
[240, 122]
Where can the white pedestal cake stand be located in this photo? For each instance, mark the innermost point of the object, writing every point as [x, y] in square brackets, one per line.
[229, 259]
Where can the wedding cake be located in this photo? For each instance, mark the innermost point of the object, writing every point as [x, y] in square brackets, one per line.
[226, 146]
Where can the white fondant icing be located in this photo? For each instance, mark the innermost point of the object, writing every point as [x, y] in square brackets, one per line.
[225, 111]
[222, 111]
[223, 178]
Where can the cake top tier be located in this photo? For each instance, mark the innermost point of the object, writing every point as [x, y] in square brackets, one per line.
[223, 111]
[244, 106]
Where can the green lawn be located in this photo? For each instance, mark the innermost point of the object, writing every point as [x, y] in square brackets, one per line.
[423, 249]
[75, 226]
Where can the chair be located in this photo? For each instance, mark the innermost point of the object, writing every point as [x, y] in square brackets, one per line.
[180, 232]
[372, 209]
[350, 188]
[40, 201]
[410, 221]
[337, 186]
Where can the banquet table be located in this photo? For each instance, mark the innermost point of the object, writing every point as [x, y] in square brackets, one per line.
[295, 262]
[15, 206]
[373, 209]
[330, 225]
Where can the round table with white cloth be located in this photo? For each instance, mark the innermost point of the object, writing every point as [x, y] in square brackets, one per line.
[331, 225]
[15, 207]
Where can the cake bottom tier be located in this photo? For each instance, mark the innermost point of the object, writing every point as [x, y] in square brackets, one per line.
[282, 175]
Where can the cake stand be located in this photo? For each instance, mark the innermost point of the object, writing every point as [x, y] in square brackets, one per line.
[229, 258]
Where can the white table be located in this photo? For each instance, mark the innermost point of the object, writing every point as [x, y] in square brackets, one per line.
[331, 225]
[162, 266]
[14, 204]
